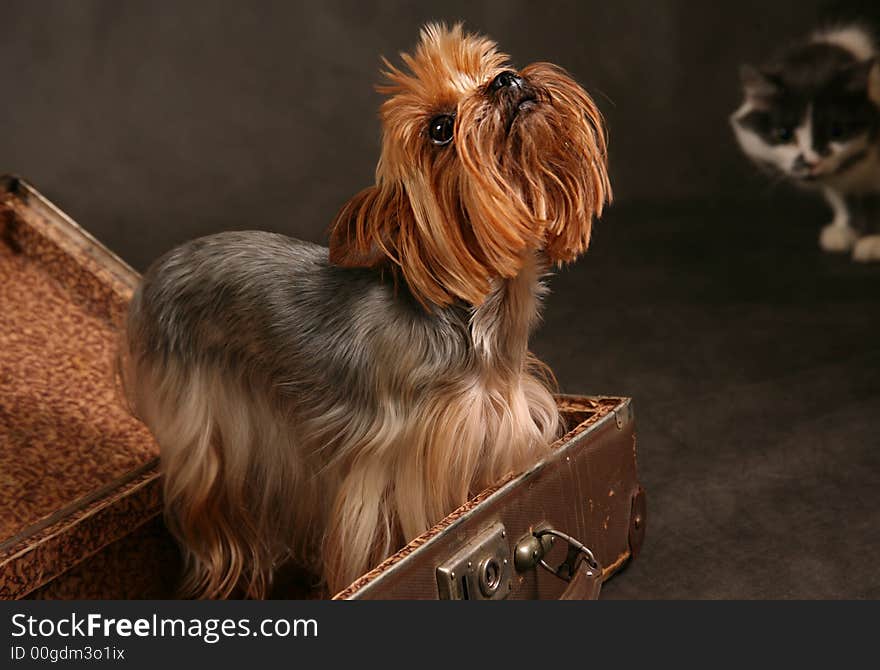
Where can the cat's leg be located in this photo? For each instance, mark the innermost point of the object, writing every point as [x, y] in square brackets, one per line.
[867, 249]
[838, 236]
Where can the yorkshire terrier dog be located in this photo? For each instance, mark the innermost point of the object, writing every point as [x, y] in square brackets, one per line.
[326, 407]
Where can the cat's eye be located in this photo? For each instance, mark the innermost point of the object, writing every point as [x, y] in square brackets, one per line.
[783, 134]
[836, 131]
[440, 129]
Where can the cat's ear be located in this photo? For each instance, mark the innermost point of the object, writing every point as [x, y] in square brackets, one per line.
[855, 78]
[874, 82]
[862, 77]
[755, 83]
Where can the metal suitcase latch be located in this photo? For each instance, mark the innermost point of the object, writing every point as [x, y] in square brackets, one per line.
[480, 571]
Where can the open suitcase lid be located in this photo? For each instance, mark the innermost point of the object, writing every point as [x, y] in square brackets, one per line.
[77, 472]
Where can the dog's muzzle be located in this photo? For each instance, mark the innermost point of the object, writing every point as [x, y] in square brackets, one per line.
[513, 92]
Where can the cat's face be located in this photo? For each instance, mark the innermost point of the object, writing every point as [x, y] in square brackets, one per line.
[810, 117]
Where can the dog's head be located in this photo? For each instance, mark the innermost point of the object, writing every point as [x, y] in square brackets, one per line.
[481, 165]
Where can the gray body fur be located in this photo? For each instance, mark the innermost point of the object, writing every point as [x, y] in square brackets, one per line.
[267, 304]
[320, 413]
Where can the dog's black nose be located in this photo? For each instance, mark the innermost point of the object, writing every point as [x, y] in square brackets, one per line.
[506, 79]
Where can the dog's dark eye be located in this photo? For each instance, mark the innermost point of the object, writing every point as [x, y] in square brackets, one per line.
[440, 129]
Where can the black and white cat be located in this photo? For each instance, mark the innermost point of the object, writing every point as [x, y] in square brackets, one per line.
[813, 116]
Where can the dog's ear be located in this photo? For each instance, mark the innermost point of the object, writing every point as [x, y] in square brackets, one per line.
[577, 189]
[379, 227]
[361, 234]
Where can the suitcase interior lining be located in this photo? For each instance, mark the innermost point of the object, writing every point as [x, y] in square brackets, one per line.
[64, 434]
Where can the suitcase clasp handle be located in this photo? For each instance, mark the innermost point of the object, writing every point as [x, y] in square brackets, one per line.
[579, 568]
[576, 551]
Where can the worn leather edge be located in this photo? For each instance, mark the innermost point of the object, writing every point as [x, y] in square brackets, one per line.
[29, 533]
[69, 541]
[70, 236]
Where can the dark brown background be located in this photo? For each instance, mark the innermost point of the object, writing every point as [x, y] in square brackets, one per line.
[752, 357]
[153, 122]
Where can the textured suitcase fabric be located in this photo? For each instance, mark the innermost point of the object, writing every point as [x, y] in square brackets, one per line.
[143, 564]
[80, 497]
[76, 471]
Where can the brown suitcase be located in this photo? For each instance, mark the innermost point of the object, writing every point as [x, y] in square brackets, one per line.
[587, 491]
[80, 499]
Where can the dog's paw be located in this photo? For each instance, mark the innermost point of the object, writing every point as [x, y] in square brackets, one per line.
[837, 239]
[867, 249]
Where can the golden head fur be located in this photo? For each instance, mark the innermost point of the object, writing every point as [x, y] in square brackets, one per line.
[525, 169]
[325, 407]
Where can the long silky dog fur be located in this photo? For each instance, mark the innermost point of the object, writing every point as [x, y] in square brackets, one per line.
[324, 407]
